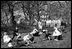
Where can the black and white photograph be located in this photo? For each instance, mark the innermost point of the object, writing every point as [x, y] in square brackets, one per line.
[35, 24]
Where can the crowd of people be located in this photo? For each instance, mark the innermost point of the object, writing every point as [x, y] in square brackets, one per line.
[55, 35]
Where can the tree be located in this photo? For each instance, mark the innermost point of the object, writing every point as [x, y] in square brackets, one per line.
[4, 13]
[11, 7]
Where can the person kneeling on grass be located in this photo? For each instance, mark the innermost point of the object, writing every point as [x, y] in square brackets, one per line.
[47, 35]
[28, 39]
[18, 39]
[57, 34]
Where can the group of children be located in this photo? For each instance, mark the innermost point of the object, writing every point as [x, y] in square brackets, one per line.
[29, 38]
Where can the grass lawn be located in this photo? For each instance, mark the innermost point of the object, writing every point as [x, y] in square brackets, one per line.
[65, 43]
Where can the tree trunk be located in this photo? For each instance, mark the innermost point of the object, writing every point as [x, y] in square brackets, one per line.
[12, 16]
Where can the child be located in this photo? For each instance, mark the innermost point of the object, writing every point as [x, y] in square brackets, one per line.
[6, 38]
[46, 35]
[10, 45]
[57, 34]
[28, 39]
